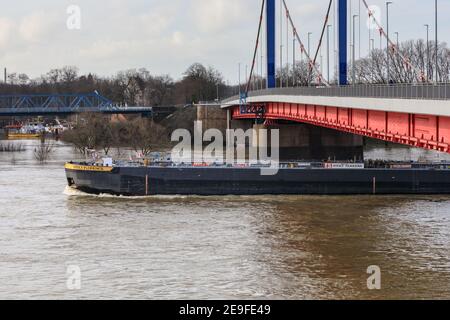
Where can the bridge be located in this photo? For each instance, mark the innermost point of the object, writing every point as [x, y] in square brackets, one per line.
[415, 114]
[65, 104]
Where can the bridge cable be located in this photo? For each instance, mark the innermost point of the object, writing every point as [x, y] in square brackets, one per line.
[327, 17]
[312, 64]
[256, 47]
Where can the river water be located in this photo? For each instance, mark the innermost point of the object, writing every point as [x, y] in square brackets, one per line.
[298, 247]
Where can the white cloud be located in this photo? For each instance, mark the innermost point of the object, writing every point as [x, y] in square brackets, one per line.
[37, 26]
[217, 15]
[6, 27]
[178, 38]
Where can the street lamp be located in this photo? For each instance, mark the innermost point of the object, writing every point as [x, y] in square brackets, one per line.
[428, 50]
[294, 63]
[371, 59]
[239, 77]
[309, 57]
[353, 50]
[309, 43]
[437, 43]
[217, 87]
[387, 40]
[328, 52]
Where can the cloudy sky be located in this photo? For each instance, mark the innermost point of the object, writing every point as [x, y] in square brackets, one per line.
[166, 36]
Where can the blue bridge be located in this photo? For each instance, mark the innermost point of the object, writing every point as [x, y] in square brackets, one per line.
[64, 104]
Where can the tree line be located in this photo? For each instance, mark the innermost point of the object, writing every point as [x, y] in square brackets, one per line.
[135, 87]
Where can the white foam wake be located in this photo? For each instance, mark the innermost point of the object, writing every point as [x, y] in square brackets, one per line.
[72, 192]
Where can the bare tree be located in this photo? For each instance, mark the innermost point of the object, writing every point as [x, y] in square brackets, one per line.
[413, 65]
[146, 135]
[43, 151]
[93, 131]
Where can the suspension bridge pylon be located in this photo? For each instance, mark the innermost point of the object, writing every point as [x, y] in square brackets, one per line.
[270, 41]
[342, 40]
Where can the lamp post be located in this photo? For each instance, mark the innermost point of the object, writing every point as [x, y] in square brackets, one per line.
[309, 43]
[294, 63]
[387, 41]
[353, 50]
[372, 62]
[239, 79]
[309, 57]
[217, 87]
[437, 43]
[328, 53]
[428, 50]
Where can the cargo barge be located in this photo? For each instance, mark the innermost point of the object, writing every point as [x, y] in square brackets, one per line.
[139, 179]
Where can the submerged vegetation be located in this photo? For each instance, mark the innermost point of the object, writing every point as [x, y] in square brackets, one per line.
[12, 147]
[43, 151]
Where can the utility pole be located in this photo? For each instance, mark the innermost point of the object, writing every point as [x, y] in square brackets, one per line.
[5, 75]
[437, 42]
[396, 33]
[387, 41]
[328, 53]
[353, 50]
[428, 50]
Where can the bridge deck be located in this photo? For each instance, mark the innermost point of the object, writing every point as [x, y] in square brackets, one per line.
[417, 99]
[417, 117]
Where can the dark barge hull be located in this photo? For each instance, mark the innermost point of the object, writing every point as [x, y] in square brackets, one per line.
[207, 181]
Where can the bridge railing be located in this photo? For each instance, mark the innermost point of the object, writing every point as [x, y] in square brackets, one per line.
[384, 91]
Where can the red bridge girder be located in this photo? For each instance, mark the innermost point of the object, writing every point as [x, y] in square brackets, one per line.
[422, 131]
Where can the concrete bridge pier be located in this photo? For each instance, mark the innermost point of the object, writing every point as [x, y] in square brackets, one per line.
[308, 142]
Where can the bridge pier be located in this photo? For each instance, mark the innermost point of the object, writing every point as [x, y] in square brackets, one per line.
[308, 142]
[300, 141]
